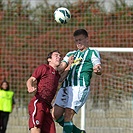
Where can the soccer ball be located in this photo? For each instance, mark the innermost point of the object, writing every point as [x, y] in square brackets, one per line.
[62, 15]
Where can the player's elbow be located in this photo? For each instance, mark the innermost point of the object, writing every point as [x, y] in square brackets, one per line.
[61, 80]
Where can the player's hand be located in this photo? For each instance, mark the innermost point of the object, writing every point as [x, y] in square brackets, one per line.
[97, 69]
[32, 89]
[71, 59]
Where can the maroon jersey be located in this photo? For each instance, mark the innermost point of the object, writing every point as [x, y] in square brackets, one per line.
[47, 81]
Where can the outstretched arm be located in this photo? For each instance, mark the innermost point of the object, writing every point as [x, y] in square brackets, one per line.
[31, 84]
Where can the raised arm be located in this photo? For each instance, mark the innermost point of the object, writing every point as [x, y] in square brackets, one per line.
[66, 70]
[62, 67]
[65, 61]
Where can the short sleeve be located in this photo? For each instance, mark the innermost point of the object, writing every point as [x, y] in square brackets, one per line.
[65, 59]
[38, 71]
[95, 58]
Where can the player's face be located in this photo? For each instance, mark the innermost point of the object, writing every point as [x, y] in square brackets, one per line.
[55, 59]
[81, 41]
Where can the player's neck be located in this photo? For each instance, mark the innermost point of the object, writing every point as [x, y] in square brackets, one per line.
[82, 50]
[55, 67]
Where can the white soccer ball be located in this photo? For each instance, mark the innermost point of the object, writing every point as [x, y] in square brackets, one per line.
[62, 15]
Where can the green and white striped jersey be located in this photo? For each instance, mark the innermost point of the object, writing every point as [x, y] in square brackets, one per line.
[82, 68]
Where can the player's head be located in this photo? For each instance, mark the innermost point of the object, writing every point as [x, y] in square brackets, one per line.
[54, 58]
[80, 32]
[81, 39]
[4, 85]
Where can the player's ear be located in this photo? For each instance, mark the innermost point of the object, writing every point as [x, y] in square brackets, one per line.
[49, 60]
[87, 39]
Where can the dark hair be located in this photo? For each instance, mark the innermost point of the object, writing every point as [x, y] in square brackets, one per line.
[4, 81]
[50, 55]
[80, 32]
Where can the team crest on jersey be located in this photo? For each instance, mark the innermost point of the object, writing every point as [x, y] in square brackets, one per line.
[37, 122]
[53, 72]
[77, 61]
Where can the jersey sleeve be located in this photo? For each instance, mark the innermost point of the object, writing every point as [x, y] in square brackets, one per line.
[38, 71]
[95, 58]
[65, 59]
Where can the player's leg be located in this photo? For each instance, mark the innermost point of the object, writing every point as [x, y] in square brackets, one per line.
[68, 124]
[35, 130]
[48, 123]
[70, 110]
[57, 114]
[77, 97]
[58, 108]
[36, 115]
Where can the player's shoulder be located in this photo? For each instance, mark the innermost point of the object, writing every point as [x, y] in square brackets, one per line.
[43, 66]
[93, 50]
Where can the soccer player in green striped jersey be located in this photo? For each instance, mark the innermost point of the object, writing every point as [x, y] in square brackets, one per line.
[76, 86]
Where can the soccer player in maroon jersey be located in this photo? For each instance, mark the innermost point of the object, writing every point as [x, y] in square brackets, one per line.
[44, 83]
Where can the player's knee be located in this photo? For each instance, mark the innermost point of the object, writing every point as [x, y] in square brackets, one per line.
[69, 113]
[56, 114]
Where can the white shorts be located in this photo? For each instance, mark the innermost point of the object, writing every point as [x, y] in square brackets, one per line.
[72, 97]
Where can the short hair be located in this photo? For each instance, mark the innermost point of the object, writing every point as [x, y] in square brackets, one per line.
[50, 55]
[80, 32]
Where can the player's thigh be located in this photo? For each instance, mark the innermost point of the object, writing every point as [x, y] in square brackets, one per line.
[77, 97]
[48, 124]
[38, 111]
[62, 97]
[35, 130]
[57, 112]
